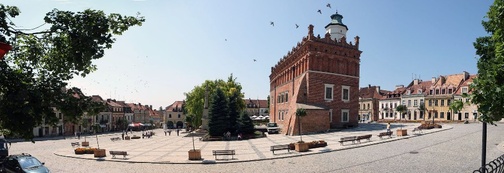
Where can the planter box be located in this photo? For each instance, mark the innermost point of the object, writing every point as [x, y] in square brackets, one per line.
[301, 147]
[402, 132]
[85, 144]
[194, 154]
[100, 153]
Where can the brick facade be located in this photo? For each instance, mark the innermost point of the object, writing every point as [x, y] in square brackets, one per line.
[300, 78]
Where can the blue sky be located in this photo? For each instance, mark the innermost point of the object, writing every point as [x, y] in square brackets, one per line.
[182, 43]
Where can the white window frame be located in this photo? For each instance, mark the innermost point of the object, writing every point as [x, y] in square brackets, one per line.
[466, 90]
[325, 92]
[343, 111]
[343, 87]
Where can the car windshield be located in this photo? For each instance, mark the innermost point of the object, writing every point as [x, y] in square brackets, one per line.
[272, 124]
[28, 162]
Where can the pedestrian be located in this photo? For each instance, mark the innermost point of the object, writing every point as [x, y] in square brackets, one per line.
[169, 132]
[178, 132]
[228, 135]
[165, 132]
[122, 135]
[388, 127]
[78, 135]
[239, 136]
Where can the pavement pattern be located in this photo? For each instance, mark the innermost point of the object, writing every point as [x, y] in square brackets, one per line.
[174, 149]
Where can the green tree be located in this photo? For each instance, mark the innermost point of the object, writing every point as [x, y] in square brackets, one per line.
[455, 107]
[300, 112]
[402, 110]
[245, 124]
[41, 63]
[218, 114]
[422, 109]
[488, 87]
[195, 99]
[234, 112]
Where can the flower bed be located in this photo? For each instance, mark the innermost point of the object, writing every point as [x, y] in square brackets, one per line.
[84, 150]
[135, 137]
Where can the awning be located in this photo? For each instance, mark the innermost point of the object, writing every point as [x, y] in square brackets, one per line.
[103, 125]
[135, 125]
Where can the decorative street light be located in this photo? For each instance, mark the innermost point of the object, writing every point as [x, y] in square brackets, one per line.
[4, 48]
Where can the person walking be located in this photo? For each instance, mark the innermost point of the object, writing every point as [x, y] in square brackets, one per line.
[169, 132]
[178, 132]
[388, 127]
[78, 135]
[165, 132]
[122, 135]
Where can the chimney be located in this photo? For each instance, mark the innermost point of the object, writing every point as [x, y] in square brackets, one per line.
[378, 89]
[466, 75]
[433, 80]
[415, 82]
[108, 100]
[369, 85]
[150, 107]
[399, 86]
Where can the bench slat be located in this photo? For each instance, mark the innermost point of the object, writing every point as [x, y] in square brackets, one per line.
[223, 152]
[279, 147]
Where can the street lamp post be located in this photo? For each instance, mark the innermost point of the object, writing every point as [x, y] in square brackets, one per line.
[4, 48]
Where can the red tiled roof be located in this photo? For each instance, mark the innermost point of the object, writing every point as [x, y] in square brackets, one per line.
[466, 83]
[96, 98]
[113, 103]
[259, 103]
[371, 92]
[175, 105]
[422, 85]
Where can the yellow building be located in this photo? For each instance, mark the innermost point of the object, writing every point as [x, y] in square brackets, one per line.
[441, 94]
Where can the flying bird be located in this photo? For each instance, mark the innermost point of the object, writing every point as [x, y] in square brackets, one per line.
[225, 39]
[319, 11]
[255, 60]
[272, 23]
[297, 26]
[328, 5]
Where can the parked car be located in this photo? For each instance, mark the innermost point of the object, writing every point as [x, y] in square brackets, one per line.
[273, 128]
[23, 163]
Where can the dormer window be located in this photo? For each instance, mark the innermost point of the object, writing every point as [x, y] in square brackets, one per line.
[449, 91]
[419, 91]
[437, 91]
[408, 92]
[443, 91]
[464, 90]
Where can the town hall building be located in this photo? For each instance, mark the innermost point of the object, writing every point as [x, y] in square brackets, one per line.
[320, 75]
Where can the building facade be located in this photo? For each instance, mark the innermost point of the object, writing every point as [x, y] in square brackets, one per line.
[256, 107]
[441, 94]
[368, 103]
[470, 110]
[414, 97]
[389, 102]
[175, 116]
[320, 75]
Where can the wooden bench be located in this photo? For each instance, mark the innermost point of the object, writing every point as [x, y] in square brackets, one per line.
[368, 137]
[115, 139]
[389, 134]
[114, 153]
[75, 144]
[223, 152]
[280, 147]
[346, 139]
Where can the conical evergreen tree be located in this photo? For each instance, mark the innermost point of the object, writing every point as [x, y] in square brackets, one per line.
[234, 112]
[246, 126]
[218, 114]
